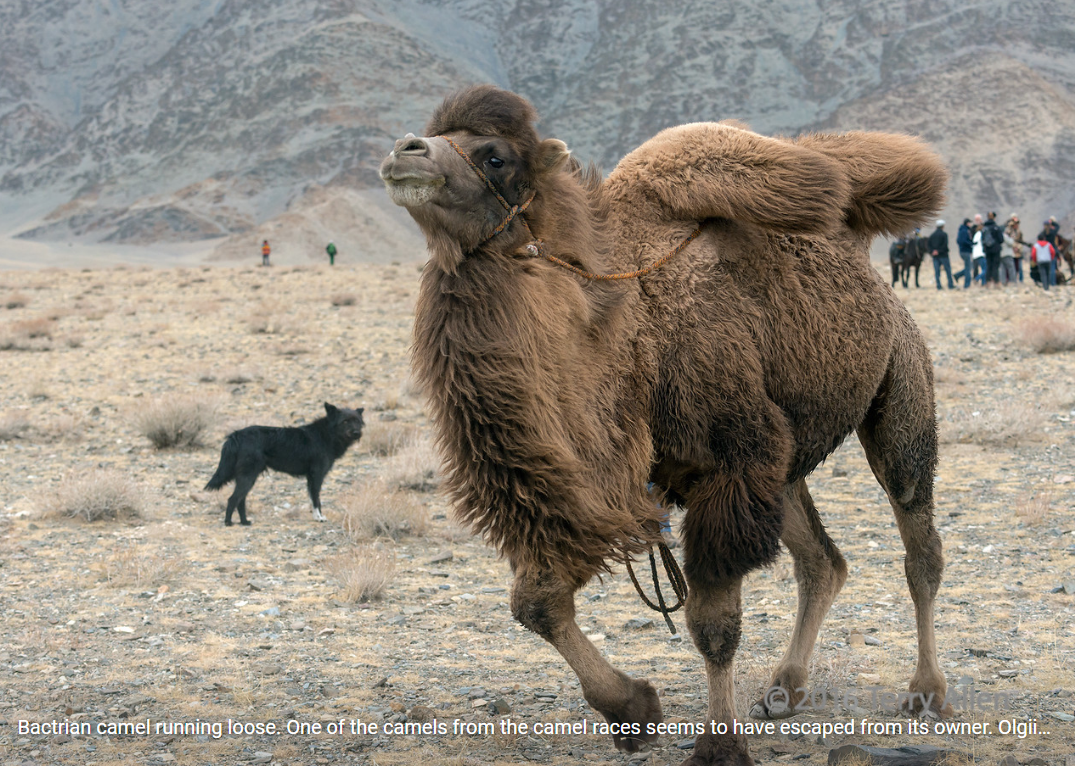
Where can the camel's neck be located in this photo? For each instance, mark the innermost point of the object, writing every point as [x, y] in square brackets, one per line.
[528, 376]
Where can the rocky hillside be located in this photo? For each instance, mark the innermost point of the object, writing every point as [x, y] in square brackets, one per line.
[122, 122]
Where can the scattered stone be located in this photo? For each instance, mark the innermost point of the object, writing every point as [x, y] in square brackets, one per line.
[421, 714]
[872, 640]
[295, 565]
[1009, 760]
[638, 623]
[1037, 762]
[640, 757]
[1007, 673]
[479, 703]
[440, 558]
[1065, 717]
[908, 755]
[272, 611]
[856, 639]
[838, 473]
[260, 756]
[685, 744]
[258, 584]
[1069, 587]
[499, 706]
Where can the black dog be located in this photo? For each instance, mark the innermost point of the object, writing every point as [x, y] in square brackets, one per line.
[308, 451]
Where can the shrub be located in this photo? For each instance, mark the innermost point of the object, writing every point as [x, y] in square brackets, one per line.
[344, 299]
[363, 573]
[178, 421]
[13, 425]
[1048, 335]
[95, 495]
[379, 510]
[16, 301]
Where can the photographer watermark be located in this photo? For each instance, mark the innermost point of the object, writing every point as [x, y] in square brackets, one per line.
[964, 697]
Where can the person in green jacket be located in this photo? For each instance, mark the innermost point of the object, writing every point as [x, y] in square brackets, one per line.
[331, 250]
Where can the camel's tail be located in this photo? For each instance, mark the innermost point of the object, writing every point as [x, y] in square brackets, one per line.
[897, 182]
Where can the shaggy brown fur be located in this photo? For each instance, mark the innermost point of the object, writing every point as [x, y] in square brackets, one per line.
[726, 376]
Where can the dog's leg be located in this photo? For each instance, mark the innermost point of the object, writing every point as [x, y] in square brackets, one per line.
[313, 486]
[243, 484]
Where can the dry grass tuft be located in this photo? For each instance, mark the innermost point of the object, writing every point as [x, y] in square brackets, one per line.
[1050, 335]
[363, 573]
[135, 566]
[380, 510]
[1005, 426]
[416, 466]
[385, 438]
[95, 495]
[16, 301]
[13, 425]
[178, 421]
[1034, 510]
[269, 318]
[27, 335]
[344, 299]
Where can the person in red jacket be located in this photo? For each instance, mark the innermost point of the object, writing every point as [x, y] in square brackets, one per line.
[265, 250]
[1044, 255]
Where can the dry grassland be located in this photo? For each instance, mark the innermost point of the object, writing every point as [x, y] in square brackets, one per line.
[157, 611]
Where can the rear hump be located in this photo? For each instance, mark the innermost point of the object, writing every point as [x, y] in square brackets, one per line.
[897, 181]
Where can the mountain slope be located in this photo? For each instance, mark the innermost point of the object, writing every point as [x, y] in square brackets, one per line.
[120, 122]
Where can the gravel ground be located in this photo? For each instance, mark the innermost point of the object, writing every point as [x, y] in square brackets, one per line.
[213, 635]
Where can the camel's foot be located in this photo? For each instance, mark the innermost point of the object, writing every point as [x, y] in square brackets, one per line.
[640, 708]
[716, 750]
[927, 698]
[782, 698]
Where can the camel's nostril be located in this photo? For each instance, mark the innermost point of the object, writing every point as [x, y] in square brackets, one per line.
[412, 146]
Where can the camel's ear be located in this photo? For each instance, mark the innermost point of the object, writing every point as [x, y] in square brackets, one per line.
[553, 153]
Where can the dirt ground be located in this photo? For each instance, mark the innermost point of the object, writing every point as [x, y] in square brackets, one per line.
[171, 639]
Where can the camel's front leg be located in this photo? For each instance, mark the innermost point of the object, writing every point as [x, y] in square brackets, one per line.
[545, 604]
[714, 614]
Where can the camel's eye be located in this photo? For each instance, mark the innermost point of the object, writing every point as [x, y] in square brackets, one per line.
[495, 162]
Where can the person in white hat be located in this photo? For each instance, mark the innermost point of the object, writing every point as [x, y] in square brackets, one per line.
[938, 248]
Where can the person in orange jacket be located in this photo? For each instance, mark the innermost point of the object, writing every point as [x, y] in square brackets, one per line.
[265, 250]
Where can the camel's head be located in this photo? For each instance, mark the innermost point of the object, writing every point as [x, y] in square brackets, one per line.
[437, 177]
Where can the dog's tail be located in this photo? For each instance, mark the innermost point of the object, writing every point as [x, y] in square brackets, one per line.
[225, 472]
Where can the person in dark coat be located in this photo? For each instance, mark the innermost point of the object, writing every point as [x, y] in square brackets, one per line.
[992, 243]
[938, 248]
[965, 243]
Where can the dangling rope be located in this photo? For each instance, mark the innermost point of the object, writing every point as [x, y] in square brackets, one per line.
[675, 577]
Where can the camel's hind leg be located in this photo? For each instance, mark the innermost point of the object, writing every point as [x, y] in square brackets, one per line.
[545, 604]
[899, 436]
[820, 571]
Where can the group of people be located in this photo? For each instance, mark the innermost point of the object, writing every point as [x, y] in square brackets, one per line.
[992, 253]
[266, 251]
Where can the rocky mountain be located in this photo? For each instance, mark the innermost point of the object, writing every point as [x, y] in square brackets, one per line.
[127, 121]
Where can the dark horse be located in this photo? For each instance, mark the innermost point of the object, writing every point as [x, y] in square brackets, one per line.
[907, 253]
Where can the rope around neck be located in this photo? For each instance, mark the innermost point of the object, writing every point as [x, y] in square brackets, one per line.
[536, 246]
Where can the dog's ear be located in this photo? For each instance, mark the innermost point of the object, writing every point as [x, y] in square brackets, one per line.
[329, 409]
[360, 410]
